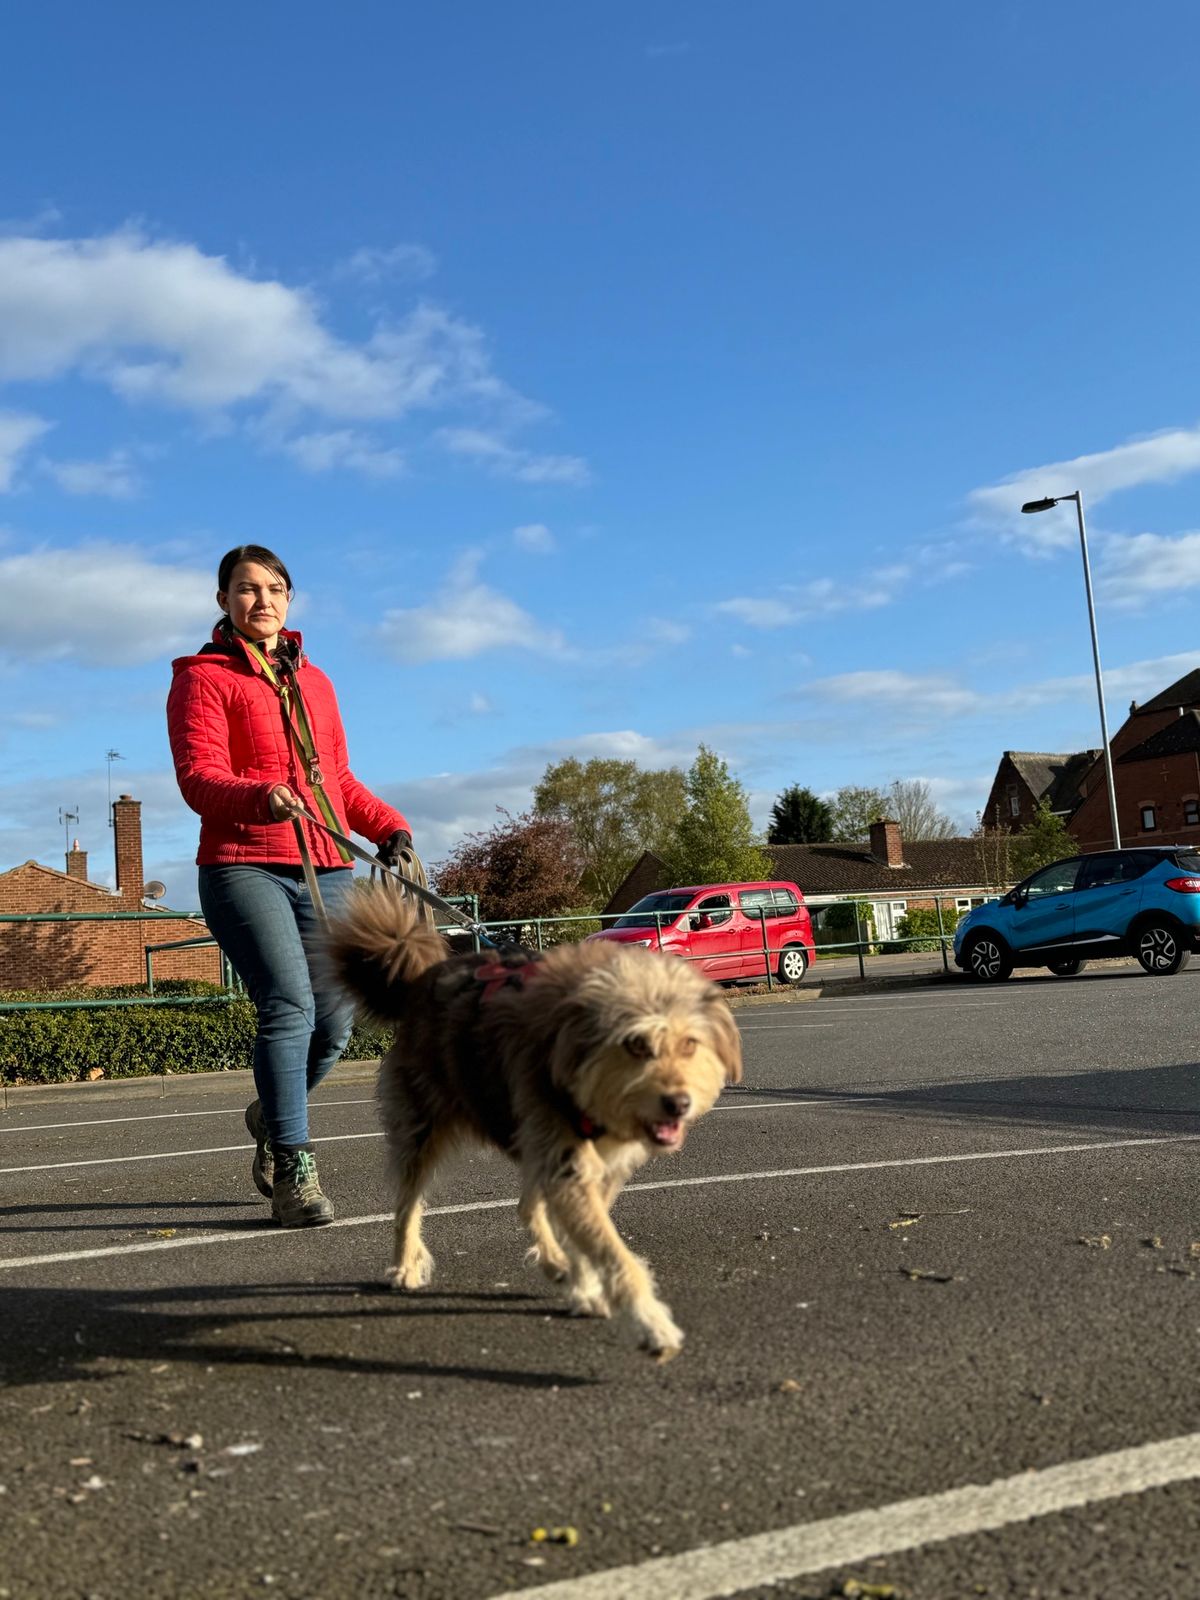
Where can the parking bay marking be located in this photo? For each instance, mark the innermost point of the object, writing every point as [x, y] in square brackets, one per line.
[765, 1559]
[271, 1231]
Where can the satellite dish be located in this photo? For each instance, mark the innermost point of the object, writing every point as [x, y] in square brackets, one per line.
[154, 890]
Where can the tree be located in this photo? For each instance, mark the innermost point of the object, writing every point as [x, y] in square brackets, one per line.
[1041, 841]
[615, 811]
[714, 841]
[524, 867]
[799, 817]
[911, 804]
[993, 843]
[854, 808]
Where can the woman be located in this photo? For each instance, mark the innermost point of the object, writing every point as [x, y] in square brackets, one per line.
[257, 739]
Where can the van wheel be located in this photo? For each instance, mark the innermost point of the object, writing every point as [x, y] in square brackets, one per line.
[986, 959]
[793, 964]
[1160, 950]
[1066, 969]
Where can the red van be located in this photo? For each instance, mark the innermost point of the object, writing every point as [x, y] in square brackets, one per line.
[720, 927]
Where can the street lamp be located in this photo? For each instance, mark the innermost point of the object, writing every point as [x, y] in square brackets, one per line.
[1046, 505]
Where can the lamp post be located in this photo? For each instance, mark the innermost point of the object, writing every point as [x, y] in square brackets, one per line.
[1046, 505]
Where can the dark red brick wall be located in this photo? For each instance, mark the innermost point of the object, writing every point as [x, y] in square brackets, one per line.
[1165, 783]
[46, 955]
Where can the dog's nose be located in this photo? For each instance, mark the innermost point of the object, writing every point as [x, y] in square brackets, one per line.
[677, 1105]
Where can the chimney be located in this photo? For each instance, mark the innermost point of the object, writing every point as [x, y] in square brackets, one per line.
[127, 836]
[886, 845]
[77, 863]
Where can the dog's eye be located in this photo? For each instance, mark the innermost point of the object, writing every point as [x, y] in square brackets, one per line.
[638, 1047]
[687, 1047]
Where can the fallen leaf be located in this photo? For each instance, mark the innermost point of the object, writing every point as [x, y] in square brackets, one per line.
[94, 1073]
[906, 1219]
[162, 1233]
[790, 1386]
[1099, 1241]
[1154, 1242]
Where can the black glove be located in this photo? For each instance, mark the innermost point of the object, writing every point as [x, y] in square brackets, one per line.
[388, 852]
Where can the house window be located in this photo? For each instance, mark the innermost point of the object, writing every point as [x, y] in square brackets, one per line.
[1191, 813]
[1014, 800]
[1149, 825]
[962, 907]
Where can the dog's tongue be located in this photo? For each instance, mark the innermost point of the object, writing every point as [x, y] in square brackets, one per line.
[665, 1132]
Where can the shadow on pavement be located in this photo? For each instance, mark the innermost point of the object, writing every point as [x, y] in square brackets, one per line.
[84, 1335]
[1123, 1101]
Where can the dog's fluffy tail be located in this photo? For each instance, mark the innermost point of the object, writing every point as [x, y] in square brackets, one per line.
[378, 947]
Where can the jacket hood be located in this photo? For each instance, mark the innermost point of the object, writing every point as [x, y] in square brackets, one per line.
[221, 653]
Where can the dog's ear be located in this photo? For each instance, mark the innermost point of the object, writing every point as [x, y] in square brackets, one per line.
[577, 1031]
[727, 1041]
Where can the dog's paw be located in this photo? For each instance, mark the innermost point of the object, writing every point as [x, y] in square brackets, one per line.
[412, 1274]
[555, 1267]
[589, 1304]
[658, 1334]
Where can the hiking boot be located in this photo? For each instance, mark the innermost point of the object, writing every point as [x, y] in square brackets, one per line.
[262, 1168]
[297, 1201]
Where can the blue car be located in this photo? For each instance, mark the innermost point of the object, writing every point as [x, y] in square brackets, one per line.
[1143, 903]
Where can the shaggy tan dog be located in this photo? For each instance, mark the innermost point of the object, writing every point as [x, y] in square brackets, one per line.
[579, 1064]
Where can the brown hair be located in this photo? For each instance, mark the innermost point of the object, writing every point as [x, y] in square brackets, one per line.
[251, 552]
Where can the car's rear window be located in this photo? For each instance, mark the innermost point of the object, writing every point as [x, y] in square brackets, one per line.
[652, 909]
[1189, 860]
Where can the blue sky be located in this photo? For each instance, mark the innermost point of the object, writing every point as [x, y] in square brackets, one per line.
[611, 378]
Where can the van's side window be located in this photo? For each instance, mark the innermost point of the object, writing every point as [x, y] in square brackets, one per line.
[716, 907]
[755, 901]
[785, 903]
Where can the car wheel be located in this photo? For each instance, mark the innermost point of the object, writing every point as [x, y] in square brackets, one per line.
[793, 964]
[1066, 969]
[1160, 949]
[986, 959]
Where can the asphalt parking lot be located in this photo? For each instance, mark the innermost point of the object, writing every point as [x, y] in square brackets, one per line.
[938, 1262]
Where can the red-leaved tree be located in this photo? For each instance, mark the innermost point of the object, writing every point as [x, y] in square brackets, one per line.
[524, 867]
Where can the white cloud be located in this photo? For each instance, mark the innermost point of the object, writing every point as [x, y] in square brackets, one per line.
[114, 478]
[101, 604]
[534, 537]
[18, 430]
[158, 321]
[1159, 458]
[466, 619]
[507, 461]
[924, 696]
[408, 262]
[1139, 567]
[822, 597]
[343, 447]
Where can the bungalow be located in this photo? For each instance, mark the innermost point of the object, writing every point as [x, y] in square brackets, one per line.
[52, 955]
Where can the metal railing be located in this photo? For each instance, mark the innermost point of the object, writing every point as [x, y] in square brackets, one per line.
[537, 932]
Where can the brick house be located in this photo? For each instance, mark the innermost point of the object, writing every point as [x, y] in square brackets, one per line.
[1156, 770]
[1025, 778]
[892, 875]
[45, 955]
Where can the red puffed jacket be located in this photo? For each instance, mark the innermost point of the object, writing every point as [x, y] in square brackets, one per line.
[231, 748]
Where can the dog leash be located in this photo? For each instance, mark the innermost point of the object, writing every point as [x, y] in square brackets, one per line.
[414, 885]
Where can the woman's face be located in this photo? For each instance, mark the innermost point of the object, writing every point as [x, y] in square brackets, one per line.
[256, 601]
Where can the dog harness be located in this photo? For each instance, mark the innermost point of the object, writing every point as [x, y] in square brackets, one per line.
[493, 976]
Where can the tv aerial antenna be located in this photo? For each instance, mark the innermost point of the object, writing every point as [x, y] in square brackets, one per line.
[67, 818]
[110, 756]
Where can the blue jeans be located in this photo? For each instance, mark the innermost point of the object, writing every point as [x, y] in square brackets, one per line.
[263, 918]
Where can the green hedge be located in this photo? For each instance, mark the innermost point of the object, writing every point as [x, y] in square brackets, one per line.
[921, 925]
[141, 1041]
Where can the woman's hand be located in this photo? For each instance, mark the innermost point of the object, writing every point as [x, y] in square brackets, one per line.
[284, 804]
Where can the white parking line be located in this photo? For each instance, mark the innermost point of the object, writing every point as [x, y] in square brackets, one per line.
[233, 1236]
[765, 1559]
[166, 1116]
